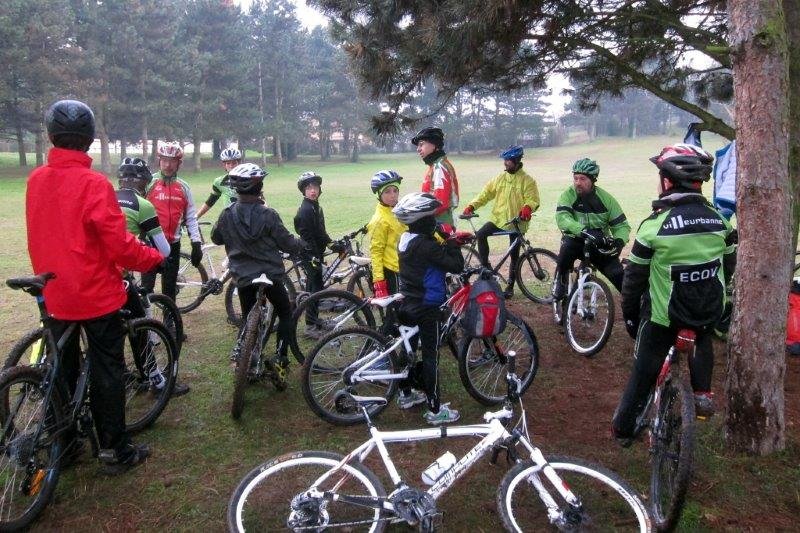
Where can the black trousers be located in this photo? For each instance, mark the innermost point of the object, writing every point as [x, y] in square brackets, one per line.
[425, 373]
[279, 298]
[652, 344]
[482, 236]
[106, 338]
[313, 284]
[389, 326]
[169, 276]
[572, 249]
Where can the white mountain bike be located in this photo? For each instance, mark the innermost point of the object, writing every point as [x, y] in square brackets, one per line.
[315, 491]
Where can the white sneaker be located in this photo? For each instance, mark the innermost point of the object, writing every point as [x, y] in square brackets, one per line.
[444, 416]
[413, 398]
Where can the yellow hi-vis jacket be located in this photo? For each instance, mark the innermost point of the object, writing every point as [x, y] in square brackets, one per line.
[510, 192]
[384, 231]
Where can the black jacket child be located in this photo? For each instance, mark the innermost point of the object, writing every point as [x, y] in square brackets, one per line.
[309, 223]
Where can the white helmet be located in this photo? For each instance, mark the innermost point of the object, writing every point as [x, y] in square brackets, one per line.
[246, 178]
[230, 154]
[415, 206]
[170, 149]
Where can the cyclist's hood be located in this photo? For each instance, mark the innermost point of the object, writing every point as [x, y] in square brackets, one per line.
[250, 220]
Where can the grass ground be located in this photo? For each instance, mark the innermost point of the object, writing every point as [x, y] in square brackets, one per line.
[200, 453]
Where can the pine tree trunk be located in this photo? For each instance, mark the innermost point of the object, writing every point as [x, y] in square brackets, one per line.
[23, 156]
[791, 9]
[197, 138]
[123, 148]
[39, 145]
[102, 134]
[756, 353]
[355, 153]
[153, 154]
[144, 138]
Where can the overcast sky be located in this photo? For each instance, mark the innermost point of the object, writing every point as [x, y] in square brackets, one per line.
[311, 18]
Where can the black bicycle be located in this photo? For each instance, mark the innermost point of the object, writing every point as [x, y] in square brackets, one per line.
[535, 269]
[587, 310]
[39, 416]
[251, 364]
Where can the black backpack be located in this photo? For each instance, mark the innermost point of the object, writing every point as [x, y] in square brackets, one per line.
[485, 313]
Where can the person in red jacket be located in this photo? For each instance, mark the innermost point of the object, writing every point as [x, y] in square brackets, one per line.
[77, 231]
[440, 179]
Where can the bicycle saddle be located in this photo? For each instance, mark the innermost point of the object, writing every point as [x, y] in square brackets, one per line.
[262, 279]
[368, 401]
[385, 302]
[32, 284]
[358, 260]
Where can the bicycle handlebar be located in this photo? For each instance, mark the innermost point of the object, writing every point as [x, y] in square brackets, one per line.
[462, 216]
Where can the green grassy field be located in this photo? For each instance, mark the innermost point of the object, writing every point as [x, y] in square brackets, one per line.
[200, 453]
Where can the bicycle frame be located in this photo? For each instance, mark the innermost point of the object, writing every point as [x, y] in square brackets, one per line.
[520, 241]
[492, 432]
[456, 303]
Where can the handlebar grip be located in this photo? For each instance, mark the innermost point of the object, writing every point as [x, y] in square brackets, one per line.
[462, 216]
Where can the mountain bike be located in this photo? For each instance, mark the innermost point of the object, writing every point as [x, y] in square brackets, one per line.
[535, 269]
[340, 269]
[315, 491]
[251, 364]
[364, 361]
[669, 415]
[30, 348]
[335, 309]
[39, 416]
[587, 310]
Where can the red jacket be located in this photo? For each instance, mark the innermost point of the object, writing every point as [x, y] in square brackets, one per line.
[77, 231]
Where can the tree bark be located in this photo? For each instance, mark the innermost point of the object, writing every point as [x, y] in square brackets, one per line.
[754, 420]
[23, 156]
[153, 153]
[355, 153]
[791, 10]
[123, 148]
[144, 138]
[197, 138]
[102, 134]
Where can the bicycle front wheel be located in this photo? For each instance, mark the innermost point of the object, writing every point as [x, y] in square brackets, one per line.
[165, 311]
[151, 367]
[323, 312]
[607, 503]
[190, 283]
[482, 363]
[232, 305]
[536, 271]
[360, 283]
[589, 317]
[672, 447]
[273, 496]
[29, 466]
[323, 374]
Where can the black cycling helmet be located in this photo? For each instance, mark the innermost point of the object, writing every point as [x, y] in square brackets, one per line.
[70, 117]
[432, 135]
[308, 177]
[134, 168]
[247, 178]
[682, 163]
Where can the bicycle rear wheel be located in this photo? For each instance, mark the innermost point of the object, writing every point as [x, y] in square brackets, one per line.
[482, 361]
[323, 374]
[27, 351]
[29, 467]
[264, 499]
[672, 449]
[335, 309]
[588, 329]
[190, 283]
[165, 311]
[608, 503]
[536, 270]
[250, 354]
[151, 367]
[360, 283]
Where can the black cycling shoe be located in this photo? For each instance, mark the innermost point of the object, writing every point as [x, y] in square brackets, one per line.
[180, 389]
[137, 454]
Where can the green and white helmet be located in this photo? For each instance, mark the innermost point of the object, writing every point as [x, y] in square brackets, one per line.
[587, 167]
